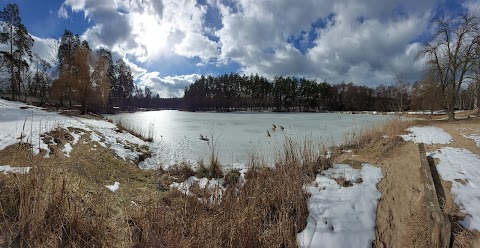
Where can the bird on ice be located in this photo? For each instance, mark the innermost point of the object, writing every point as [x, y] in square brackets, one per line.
[113, 187]
[203, 138]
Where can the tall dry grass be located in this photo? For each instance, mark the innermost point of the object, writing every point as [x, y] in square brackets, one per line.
[267, 211]
[51, 206]
[41, 209]
[145, 135]
[378, 139]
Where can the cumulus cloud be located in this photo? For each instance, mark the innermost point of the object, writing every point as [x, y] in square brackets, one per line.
[360, 41]
[169, 86]
[46, 49]
[197, 45]
[366, 42]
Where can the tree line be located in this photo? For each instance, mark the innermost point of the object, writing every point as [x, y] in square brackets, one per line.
[232, 92]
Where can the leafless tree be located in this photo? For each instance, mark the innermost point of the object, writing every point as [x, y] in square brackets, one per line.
[402, 86]
[452, 54]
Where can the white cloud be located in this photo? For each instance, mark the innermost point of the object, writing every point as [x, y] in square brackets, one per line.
[46, 49]
[366, 42]
[197, 45]
[62, 12]
[169, 86]
[361, 41]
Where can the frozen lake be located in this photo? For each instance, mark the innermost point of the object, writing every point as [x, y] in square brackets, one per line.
[237, 135]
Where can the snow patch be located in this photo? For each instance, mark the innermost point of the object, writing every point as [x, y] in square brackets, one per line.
[67, 148]
[462, 168]
[427, 135]
[214, 186]
[114, 187]
[18, 170]
[342, 216]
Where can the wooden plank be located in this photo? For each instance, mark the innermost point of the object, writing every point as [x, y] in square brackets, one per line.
[438, 223]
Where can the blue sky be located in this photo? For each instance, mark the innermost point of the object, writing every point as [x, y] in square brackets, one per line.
[170, 43]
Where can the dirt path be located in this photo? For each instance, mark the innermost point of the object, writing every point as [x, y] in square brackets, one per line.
[402, 193]
[401, 220]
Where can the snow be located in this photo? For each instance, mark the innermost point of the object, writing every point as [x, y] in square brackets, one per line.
[184, 187]
[462, 168]
[474, 137]
[342, 216]
[471, 133]
[67, 148]
[427, 135]
[427, 112]
[27, 124]
[213, 186]
[19, 170]
[114, 187]
[20, 122]
[120, 142]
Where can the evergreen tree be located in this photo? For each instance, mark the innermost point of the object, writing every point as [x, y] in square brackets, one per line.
[16, 36]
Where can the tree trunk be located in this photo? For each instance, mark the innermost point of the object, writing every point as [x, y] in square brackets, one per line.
[83, 109]
[11, 59]
[451, 108]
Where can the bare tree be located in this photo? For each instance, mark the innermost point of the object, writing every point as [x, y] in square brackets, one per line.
[402, 87]
[451, 54]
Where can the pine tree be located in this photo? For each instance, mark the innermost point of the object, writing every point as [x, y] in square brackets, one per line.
[123, 87]
[20, 43]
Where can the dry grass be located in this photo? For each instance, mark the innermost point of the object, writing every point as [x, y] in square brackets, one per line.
[213, 170]
[375, 140]
[63, 202]
[267, 211]
[137, 131]
[232, 178]
[417, 235]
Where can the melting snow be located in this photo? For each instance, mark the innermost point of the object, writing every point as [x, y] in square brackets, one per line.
[67, 148]
[342, 216]
[28, 124]
[462, 168]
[114, 187]
[428, 135]
[184, 187]
[19, 170]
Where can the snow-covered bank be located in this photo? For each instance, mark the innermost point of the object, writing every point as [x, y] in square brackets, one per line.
[24, 123]
[462, 168]
[428, 135]
[342, 216]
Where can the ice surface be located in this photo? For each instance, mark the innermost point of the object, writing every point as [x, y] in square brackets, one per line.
[462, 168]
[342, 216]
[427, 135]
[237, 135]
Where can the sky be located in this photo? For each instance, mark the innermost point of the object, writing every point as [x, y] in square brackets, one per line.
[171, 43]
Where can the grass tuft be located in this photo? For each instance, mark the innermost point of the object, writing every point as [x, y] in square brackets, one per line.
[232, 178]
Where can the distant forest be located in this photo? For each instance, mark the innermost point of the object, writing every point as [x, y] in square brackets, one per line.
[90, 80]
[235, 92]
